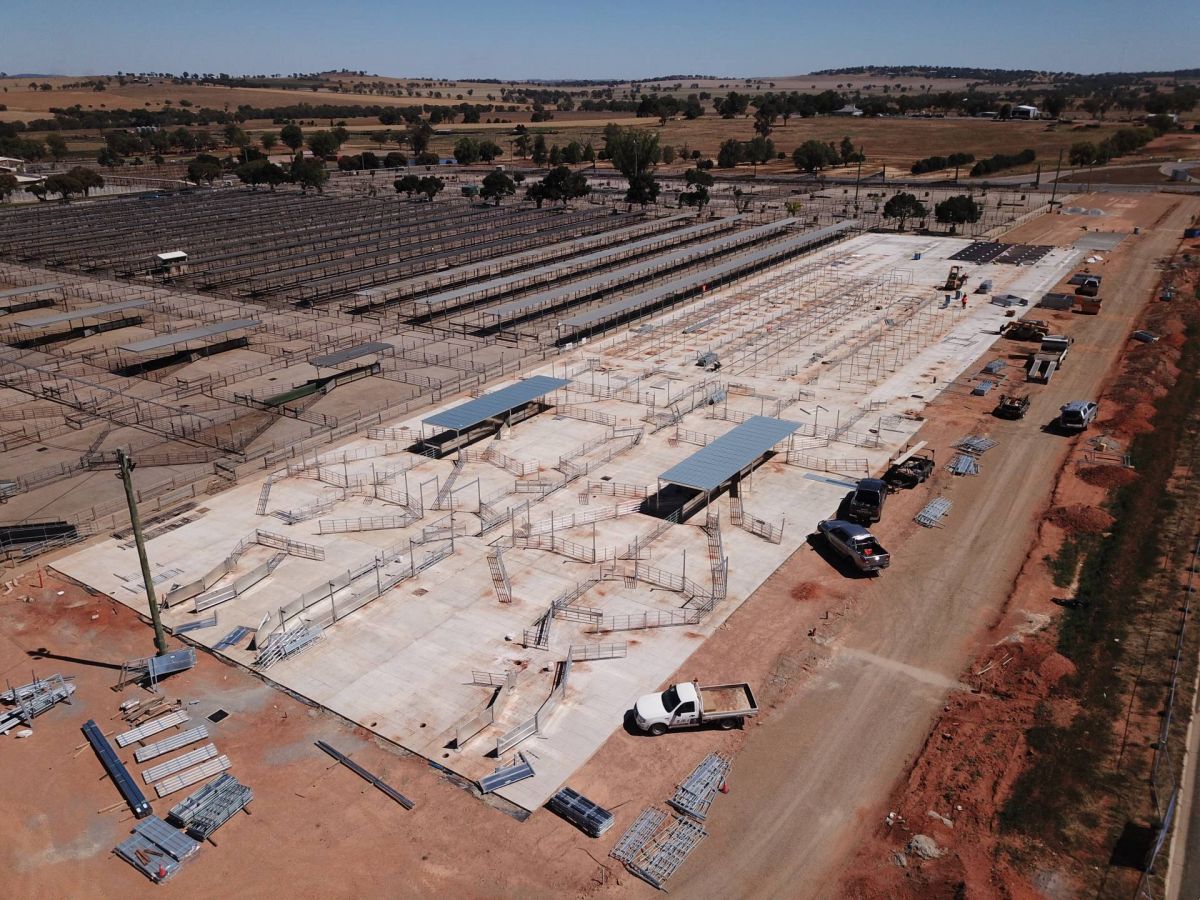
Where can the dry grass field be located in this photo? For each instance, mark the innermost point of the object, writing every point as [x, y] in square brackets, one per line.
[896, 142]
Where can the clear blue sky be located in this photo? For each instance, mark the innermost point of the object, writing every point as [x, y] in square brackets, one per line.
[618, 38]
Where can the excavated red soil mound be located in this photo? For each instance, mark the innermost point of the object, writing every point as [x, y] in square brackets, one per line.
[1055, 667]
[1107, 476]
[1081, 519]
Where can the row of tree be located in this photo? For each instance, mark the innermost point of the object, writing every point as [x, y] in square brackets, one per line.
[1122, 142]
[938, 163]
[78, 180]
[953, 211]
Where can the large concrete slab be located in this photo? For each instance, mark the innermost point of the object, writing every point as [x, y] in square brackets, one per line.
[850, 343]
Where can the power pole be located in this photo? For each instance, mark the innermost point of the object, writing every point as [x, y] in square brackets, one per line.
[126, 466]
[1057, 172]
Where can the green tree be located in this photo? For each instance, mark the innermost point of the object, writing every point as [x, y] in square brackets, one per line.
[419, 135]
[1083, 153]
[407, 184]
[268, 141]
[57, 145]
[697, 195]
[8, 186]
[323, 144]
[521, 146]
[573, 153]
[730, 154]
[63, 184]
[959, 210]
[260, 171]
[309, 173]
[538, 193]
[489, 150]
[643, 190]
[109, 158]
[561, 185]
[204, 168]
[87, 178]
[236, 136]
[466, 151]
[759, 150]
[733, 105]
[668, 155]
[539, 153]
[812, 156]
[904, 206]
[633, 151]
[431, 186]
[496, 186]
[556, 156]
[847, 152]
[292, 137]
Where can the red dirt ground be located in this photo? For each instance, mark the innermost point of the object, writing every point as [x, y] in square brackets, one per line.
[975, 750]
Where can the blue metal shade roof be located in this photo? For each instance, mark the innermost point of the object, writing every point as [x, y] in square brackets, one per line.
[496, 403]
[711, 466]
[197, 333]
[341, 356]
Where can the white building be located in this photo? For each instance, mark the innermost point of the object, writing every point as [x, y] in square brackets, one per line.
[1026, 112]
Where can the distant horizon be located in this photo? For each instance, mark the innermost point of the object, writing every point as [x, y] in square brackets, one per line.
[535, 79]
[477, 40]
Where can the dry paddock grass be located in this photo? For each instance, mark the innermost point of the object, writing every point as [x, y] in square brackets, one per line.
[896, 142]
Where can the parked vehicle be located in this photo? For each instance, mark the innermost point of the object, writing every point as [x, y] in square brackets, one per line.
[688, 705]
[1089, 287]
[1012, 406]
[855, 543]
[865, 505]
[1077, 415]
[910, 472]
[1049, 358]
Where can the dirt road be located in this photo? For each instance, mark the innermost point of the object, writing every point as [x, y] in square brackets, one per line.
[814, 774]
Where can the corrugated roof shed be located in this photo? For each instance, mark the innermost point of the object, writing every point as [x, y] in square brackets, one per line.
[496, 403]
[711, 466]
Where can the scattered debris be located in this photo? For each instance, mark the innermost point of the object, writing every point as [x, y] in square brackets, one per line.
[33, 699]
[924, 846]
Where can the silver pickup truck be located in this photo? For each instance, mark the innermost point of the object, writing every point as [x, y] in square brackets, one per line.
[856, 543]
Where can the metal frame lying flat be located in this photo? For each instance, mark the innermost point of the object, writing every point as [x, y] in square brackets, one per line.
[362, 773]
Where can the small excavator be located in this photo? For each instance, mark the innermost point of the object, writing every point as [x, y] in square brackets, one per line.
[1025, 330]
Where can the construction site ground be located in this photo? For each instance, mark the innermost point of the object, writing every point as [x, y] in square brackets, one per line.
[850, 673]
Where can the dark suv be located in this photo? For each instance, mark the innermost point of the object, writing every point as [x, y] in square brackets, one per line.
[865, 505]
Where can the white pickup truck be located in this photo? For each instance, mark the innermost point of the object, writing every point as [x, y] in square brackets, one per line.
[688, 705]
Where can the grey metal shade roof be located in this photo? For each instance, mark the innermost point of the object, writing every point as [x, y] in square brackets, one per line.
[53, 318]
[695, 279]
[711, 466]
[24, 291]
[490, 405]
[341, 356]
[668, 260]
[595, 258]
[189, 334]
